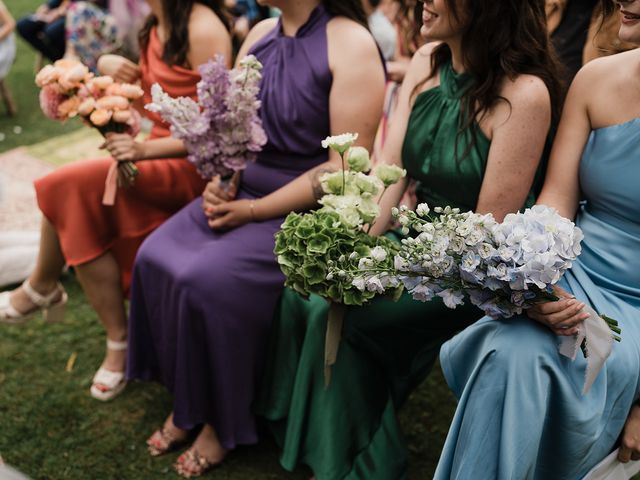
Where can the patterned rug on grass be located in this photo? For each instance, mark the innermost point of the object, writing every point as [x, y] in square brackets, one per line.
[19, 214]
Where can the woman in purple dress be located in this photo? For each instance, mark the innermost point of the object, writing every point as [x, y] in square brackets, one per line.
[206, 283]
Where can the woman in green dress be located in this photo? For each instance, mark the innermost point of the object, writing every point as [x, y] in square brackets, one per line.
[474, 112]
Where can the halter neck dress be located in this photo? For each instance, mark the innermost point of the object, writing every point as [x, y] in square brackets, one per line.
[202, 301]
[350, 430]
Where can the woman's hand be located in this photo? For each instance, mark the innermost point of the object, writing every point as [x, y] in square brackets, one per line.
[227, 216]
[630, 446]
[118, 67]
[214, 194]
[123, 147]
[561, 316]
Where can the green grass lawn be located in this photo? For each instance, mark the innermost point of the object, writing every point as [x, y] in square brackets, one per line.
[32, 126]
[50, 428]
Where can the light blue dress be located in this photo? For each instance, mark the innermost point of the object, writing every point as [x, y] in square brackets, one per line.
[521, 414]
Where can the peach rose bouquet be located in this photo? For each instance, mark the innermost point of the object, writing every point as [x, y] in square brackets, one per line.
[68, 90]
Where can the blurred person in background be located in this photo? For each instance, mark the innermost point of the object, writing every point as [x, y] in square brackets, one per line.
[7, 41]
[579, 33]
[44, 29]
[94, 28]
[381, 28]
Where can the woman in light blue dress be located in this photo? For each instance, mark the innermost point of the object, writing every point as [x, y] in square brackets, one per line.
[521, 413]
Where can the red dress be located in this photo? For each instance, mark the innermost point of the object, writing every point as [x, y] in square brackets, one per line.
[71, 196]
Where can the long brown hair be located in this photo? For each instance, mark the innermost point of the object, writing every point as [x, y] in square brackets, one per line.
[177, 45]
[608, 7]
[503, 39]
[351, 9]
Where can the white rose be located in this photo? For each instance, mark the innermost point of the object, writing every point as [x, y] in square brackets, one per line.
[358, 159]
[340, 143]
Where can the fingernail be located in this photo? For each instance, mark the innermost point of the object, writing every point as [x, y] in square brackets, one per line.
[581, 305]
[571, 302]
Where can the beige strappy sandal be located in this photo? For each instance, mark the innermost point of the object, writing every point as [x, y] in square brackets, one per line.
[107, 384]
[161, 442]
[52, 309]
[200, 464]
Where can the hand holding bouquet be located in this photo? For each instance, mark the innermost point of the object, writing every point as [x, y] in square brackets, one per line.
[69, 90]
[503, 268]
[314, 248]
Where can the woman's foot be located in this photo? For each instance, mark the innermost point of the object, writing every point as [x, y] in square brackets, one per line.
[26, 300]
[205, 453]
[168, 438]
[109, 380]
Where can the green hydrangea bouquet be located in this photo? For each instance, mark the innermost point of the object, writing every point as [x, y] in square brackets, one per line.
[311, 245]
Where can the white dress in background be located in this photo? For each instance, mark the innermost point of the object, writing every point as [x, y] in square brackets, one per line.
[7, 54]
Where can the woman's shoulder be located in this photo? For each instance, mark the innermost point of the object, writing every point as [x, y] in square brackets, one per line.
[608, 70]
[351, 37]
[208, 35]
[419, 70]
[205, 25]
[257, 33]
[526, 89]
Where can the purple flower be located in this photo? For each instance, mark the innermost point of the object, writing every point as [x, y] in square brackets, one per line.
[223, 131]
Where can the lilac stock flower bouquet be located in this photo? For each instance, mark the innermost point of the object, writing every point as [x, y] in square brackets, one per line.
[222, 131]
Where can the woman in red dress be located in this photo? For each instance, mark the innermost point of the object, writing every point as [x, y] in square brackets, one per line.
[101, 241]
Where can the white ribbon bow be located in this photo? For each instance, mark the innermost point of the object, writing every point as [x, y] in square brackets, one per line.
[599, 341]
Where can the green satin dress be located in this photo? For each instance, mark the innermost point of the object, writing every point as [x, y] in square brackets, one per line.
[350, 430]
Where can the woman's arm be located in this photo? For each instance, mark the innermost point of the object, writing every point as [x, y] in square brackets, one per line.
[419, 69]
[123, 147]
[355, 105]
[561, 188]
[120, 68]
[562, 191]
[207, 38]
[518, 129]
[8, 23]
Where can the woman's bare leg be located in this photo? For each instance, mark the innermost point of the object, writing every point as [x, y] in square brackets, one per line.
[49, 266]
[100, 280]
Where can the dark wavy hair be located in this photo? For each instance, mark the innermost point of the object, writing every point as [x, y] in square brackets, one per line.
[351, 9]
[607, 8]
[177, 45]
[503, 39]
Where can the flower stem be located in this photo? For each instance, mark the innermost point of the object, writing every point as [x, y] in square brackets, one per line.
[379, 200]
[343, 173]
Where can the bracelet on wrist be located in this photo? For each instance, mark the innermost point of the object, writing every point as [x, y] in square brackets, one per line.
[252, 212]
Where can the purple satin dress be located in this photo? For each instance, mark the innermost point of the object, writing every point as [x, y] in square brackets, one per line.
[202, 301]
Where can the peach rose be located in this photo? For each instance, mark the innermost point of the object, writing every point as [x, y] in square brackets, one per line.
[66, 63]
[100, 117]
[73, 77]
[113, 102]
[121, 116]
[102, 82]
[47, 75]
[69, 108]
[130, 91]
[113, 89]
[86, 107]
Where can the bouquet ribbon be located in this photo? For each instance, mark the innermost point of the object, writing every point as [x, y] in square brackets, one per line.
[332, 338]
[596, 334]
[111, 185]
